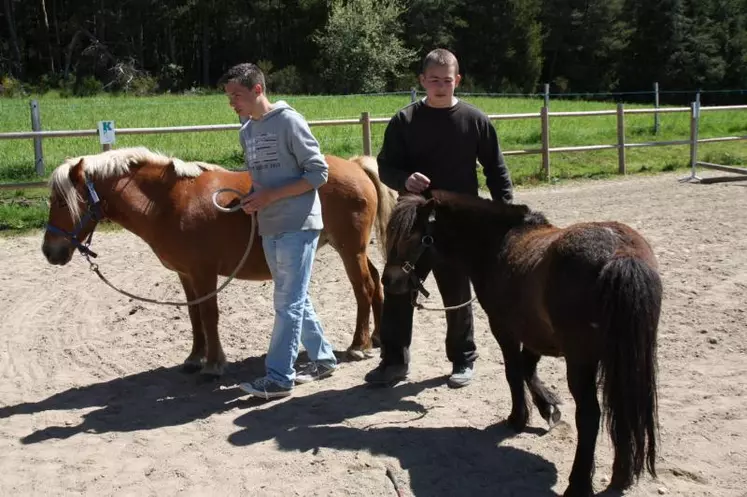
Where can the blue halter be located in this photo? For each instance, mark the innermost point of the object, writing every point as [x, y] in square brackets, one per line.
[93, 213]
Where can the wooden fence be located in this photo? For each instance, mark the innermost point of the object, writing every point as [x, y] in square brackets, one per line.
[365, 121]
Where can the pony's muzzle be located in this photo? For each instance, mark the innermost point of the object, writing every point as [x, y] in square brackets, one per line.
[395, 280]
[57, 253]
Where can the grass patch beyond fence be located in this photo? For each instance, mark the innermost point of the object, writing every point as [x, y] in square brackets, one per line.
[26, 209]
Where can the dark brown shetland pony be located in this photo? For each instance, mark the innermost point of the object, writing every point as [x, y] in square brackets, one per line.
[589, 292]
[168, 203]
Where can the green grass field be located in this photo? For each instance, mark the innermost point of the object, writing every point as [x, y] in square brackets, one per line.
[21, 210]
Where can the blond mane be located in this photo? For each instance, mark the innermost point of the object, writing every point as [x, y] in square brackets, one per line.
[113, 164]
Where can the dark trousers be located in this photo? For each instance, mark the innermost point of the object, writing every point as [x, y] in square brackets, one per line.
[397, 316]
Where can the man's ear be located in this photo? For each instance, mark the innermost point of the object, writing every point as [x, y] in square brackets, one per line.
[457, 80]
[76, 173]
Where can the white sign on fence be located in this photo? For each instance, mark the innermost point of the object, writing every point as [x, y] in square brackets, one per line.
[106, 132]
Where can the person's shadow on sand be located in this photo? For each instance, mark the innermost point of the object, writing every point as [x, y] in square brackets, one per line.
[165, 396]
[441, 461]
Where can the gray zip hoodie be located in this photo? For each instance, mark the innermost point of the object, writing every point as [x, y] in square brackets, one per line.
[279, 149]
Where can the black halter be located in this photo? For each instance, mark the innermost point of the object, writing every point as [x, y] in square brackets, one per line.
[94, 212]
[408, 266]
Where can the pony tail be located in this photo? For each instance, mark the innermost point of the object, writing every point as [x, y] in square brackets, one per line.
[631, 293]
[387, 198]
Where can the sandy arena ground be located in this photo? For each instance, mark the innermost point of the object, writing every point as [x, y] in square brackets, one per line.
[92, 400]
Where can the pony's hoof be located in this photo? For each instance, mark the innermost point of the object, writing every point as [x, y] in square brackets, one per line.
[212, 370]
[360, 355]
[554, 417]
[192, 365]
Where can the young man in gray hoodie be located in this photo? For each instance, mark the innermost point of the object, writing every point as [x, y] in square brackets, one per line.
[287, 168]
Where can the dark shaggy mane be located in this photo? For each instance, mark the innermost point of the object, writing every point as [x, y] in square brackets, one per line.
[483, 206]
[402, 219]
[406, 211]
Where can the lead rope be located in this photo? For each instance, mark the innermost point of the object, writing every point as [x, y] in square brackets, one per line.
[95, 268]
[423, 307]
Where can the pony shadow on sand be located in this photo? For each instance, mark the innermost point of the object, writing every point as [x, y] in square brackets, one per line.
[147, 400]
[443, 461]
[143, 401]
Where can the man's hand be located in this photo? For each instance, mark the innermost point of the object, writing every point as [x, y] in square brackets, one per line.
[417, 182]
[257, 201]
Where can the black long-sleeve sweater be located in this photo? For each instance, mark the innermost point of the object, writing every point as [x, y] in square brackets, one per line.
[444, 145]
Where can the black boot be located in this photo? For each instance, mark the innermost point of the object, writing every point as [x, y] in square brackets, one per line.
[387, 375]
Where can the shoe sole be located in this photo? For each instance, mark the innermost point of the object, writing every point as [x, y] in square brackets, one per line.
[386, 383]
[262, 394]
[303, 380]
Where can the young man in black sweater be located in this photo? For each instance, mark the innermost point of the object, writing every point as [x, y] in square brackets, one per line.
[436, 143]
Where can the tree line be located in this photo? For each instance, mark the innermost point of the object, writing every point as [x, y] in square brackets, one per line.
[354, 46]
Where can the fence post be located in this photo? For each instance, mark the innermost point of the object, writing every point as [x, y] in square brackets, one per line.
[694, 121]
[36, 126]
[656, 106]
[547, 94]
[544, 113]
[413, 95]
[621, 169]
[366, 122]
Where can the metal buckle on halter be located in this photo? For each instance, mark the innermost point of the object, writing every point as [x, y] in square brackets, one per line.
[408, 267]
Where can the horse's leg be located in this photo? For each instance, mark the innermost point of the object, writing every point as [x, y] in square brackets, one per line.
[215, 359]
[545, 400]
[377, 304]
[519, 410]
[196, 358]
[583, 386]
[357, 269]
[512, 359]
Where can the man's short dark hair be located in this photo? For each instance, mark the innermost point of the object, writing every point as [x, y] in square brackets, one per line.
[246, 74]
[440, 57]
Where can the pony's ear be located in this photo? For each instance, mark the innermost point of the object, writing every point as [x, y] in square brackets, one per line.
[427, 210]
[76, 173]
[176, 165]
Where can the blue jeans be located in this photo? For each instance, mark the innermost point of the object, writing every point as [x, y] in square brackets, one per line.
[290, 257]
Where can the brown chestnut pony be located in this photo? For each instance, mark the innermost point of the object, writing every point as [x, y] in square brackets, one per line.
[589, 292]
[168, 203]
